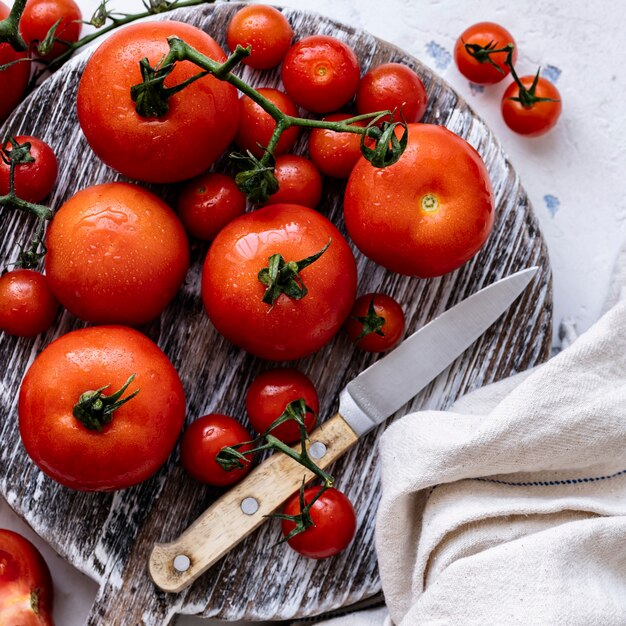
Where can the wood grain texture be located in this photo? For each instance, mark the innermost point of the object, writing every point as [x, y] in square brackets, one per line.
[109, 536]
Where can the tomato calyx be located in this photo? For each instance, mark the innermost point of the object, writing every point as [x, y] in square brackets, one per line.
[94, 410]
[371, 322]
[256, 178]
[526, 96]
[483, 53]
[302, 520]
[387, 147]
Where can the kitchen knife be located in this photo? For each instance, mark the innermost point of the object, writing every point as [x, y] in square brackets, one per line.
[366, 401]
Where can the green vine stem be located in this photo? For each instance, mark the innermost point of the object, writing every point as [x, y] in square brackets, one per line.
[9, 27]
[526, 97]
[483, 53]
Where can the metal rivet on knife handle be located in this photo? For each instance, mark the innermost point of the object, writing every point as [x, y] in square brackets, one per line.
[317, 450]
[182, 563]
[249, 505]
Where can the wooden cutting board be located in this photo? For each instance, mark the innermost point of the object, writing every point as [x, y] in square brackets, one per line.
[109, 536]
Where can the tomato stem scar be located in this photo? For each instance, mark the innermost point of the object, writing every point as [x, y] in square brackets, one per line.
[429, 203]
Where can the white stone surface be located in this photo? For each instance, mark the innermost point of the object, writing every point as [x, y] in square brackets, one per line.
[575, 176]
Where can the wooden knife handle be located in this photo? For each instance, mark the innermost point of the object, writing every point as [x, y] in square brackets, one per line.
[173, 566]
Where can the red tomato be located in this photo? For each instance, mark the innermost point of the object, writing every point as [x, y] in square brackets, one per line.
[392, 86]
[334, 522]
[41, 15]
[14, 79]
[268, 397]
[203, 440]
[264, 28]
[321, 73]
[334, 153]
[233, 293]
[134, 440]
[538, 118]
[26, 591]
[207, 203]
[376, 323]
[116, 254]
[299, 182]
[256, 125]
[428, 213]
[201, 121]
[27, 305]
[33, 181]
[475, 64]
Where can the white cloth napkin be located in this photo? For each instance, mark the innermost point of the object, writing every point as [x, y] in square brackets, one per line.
[511, 507]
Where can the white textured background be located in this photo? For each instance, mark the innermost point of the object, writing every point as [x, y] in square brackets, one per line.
[575, 176]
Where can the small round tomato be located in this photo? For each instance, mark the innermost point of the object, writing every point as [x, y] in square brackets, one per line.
[101, 408]
[33, 181]
[116, 254]
[334, 522]
[256, 125]
[299, 182]
[393, 87]
[207, 203]
[268, 397]
[288, 314]
[27, 305]
[264, 28]
[534, 119]
[426, 214]
[202, 442]
[41, 15]
[473, 57]
[201, 120]
[14, 79]
[376, 323]
[321, 73]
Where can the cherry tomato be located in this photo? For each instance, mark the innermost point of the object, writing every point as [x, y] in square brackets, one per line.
[321, 73]
[334, 153]
[264, 28]
[299, 182]
[479, 67]
[202, 442]
[27, 305]
[334, 522]
[116, 254]
[428, 213]
[207, 203]
[84, 446]
[26, 591]
[256, 125]
[393, 87]
[291, 327]
[199, 125]
[33, 181]
[41, 15]
[538, 118]
[376, 323]
[268, 397]
[14, 79]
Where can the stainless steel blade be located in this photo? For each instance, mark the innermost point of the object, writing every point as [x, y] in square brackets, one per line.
[384, 387]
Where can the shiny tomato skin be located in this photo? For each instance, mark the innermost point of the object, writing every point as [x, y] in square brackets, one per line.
[142, 432]
[483, 34]
[232, 293]
[26, 592]
[13, 80]
[256, 125]
[334, 524]
[321, 73]
[201, 121]
[264, 28]
[116, 254]
[537, 119]
[428, 213]
[27, 305]
[268, 397]
[203, 440]
[393, 87]
[393, 328]
[299, 182]
[33, 181]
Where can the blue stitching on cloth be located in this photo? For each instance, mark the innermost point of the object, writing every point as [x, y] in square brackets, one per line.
[551, 483]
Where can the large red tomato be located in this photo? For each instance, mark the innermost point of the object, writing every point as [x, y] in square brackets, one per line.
[14, 79]
[428, 213]
[291, 327]
[200, 123]
[71, 434]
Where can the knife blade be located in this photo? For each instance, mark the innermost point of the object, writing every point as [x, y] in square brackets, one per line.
[369, 399]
